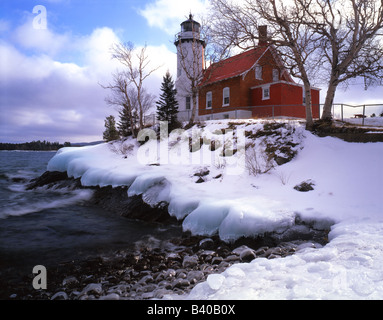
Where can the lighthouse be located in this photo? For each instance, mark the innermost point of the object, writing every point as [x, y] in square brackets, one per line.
[190, 67]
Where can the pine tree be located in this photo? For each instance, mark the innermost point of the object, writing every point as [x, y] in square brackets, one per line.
[125, 127]
[167, 106]
[110, 132]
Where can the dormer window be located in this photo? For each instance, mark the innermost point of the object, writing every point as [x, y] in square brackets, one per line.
[275, 75]
[258, 72]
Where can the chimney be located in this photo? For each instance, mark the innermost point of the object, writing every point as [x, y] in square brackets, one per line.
[262, 33]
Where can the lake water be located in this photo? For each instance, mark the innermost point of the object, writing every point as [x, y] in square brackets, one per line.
[46, 227]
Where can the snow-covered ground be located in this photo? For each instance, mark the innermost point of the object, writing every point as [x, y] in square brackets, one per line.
[248, 194]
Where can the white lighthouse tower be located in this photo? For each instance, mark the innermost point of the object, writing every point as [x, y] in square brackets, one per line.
[190, 66]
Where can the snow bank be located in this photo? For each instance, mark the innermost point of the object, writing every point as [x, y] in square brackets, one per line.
[200, 189]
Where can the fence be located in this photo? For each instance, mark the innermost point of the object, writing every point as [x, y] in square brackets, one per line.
[367, 114]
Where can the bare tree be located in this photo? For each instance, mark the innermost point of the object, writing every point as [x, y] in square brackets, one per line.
[135, 73]
[237, 25]
[122, 96]
[350, 44]
[335, 40]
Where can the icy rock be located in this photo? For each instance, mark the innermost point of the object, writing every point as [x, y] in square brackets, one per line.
[215, 281]
[146, 279]
[206, 244]
[195, 276]
[111, 296]
[247, 255]
[217, 260]
[170, 273]
[232, 258]
[190, 261]
[180, 283]
[148, 295]
[61, 295]
[70, 282]
[239, 250]
[95, 288]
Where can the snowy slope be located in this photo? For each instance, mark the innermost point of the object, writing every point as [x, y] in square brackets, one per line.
[348, 185]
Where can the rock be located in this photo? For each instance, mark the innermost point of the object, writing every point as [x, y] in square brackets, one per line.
[180, 283]
[202, 173]
[95, 288]
[46, 178]
[206, 244]
[70, 282]
[200, 180]
[232, 258]
[247, 255]
[147, 295]
[165, 284]
[261, 251]
[110, 296]
[146, 279]
[305, 186]
[190, 261]
[173, 256]
[239, 249]
[160, 293]
[170, 273]
[61, 295]
[217, 260]
[194, 276]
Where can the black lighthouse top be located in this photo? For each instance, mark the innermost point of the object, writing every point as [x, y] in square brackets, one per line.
[190, 25]
[190, 31]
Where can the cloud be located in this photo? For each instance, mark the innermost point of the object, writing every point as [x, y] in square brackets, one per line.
[166, 14]
[40, 40]
[43, 97]
[4, 26]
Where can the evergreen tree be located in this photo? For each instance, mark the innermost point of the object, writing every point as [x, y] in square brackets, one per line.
[125, 126]
[110, 132]
[167, 106]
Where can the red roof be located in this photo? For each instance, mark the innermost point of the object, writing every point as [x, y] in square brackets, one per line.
[233, 66]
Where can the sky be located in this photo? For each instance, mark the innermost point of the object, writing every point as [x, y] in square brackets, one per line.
[55, 55]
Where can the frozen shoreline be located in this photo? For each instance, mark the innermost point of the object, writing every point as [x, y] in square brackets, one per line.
[348, 182]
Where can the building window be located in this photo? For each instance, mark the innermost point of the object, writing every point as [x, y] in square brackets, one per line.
[275, 75]
[226, 116]
[266, 93]
[188, 103]
[226, 96]
[258, 72]
[209, 100]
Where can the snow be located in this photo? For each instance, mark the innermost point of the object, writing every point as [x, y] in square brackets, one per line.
[233, 202]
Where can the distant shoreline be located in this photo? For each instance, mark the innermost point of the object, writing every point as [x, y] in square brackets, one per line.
[34, 146]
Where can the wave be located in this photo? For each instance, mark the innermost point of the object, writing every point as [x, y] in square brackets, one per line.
[27, 207]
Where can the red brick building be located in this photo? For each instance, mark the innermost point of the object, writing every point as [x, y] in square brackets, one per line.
[253, 84]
